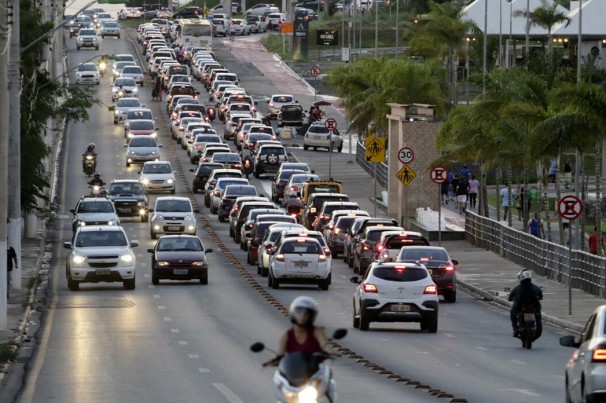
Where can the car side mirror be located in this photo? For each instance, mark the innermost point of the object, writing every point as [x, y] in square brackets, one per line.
[192, 170]
[139, 172]
[569, 341]
[197, 211]
[125, 145]
[67, 245]
[208, 251]
[151, 210]
[313, 172]
[72, 211]
[455, 262]
[150, 251]
[159, 145]
[134, 244]
[111, 108]
[355, 280]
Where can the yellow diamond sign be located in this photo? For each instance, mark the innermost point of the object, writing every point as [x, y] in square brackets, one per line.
[406, 175]
[375, 149]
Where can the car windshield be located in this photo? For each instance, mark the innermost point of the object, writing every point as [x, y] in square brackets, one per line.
[121, 65]
[329, 209]
[132, 70]
[139, 115]
[132, 103]
[300, 167]
[344, 222]
[226, 157]
[254, 212]
[87, 67]
[125, 82]
[179, 79]
[176, 206]
[100, 239]
[88, 32]
[224, 183]
[298, 178]
[208, 139]
[141, 125]
[318, 201]
[281, 99]
[399, 274]
[142, 142]
[285, 175]
[414, 254]
[375, 235]
[235, 191]
[220, 175]
[197, 30]
[301, 247]
[206, 169]
[323, 189]
[121, 58]
[116, 189]
[156, 168]
[171, 244]
[110, 25]
[96, 207]
[397, 242]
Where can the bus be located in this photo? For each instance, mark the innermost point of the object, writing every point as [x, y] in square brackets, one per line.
[194, 32]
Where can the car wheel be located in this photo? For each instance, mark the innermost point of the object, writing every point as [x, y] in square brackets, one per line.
[256, 174]
[118, 36]
[191, 161]
[430, 325]
[356, 321]
[269, 280]
[221, 218]
[96, 47]
[172, 191]
[102, 36]
[231, 232]
[73, 285]
[259, 270]
[245, 246]
[145, 218]
[305, 147]
[204, 280]
[324, 284]
[340, 148]
[155, 280]
[213, 210]
[128, 164]
[206, 202]
[77, 47]
[264, 271]
[152, 235]
[275, 283]
[450, 296]
[129, 284]
[364, 321]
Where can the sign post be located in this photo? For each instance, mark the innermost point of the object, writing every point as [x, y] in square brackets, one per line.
[570, 207]
[406, 155]
[439, 175]
[375, 152]
[315, 72]
[331, 125]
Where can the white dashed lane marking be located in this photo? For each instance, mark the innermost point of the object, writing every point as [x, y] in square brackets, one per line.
[183, 343]
[229, 395]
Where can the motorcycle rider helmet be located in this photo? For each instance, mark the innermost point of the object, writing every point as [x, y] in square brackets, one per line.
[524, 274]
[303, 303]
[91, 147]
[97, 175]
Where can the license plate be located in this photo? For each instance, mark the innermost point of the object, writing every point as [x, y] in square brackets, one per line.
[180, 271]
[400, 308]
[124, 210]
[529, 317]
[174, 228]
[103, 272]
[301, 264]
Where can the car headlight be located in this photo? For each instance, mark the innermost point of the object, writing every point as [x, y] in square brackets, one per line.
[154, 134]
[111, 222]
[117, 112]
[120, 93]
[140, 204]
[135, 90]
[126, 258]
[198, 264]
[131, 135]
[169, 181]
[131, 152]
[80, 223]
[145, 181]
[188, 217]
[159, 218]
[78, 259]
[163, 264]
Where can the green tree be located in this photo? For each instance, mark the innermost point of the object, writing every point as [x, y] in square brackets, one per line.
[546, 16]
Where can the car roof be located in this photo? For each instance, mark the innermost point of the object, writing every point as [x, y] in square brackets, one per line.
[125, 181]
[91, 228]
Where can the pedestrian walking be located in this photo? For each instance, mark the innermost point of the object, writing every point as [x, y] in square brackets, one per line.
[535, 226]
[567, 174]
[444, 189]
[520, 199]
[462, 192]
[11, 257]
[593, 241]
[454, 185]
[505, 198]
[465, 173]
[553, 169]
[474, 187]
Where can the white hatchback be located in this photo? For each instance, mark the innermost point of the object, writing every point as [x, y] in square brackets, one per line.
[172, 215]
[300, 260]
[277, 101]
[157, 176]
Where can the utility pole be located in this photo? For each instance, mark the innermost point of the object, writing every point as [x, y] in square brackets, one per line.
[14, 143]
[4, 127]
[376, 6]
[578, 156]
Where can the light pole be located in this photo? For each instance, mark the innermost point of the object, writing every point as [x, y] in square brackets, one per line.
[397, 26]
[376, 6]
[527, 56]
[578, 165]
[4, 135]
[500, 34]
[485, 47]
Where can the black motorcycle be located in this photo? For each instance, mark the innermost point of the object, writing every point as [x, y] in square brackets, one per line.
[211, 112]
[89, 164]
[527, 327]
[247, 166]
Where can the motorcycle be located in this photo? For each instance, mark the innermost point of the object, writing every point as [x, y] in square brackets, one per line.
[102, 67]
[527, 327]
[295, 211]
[97, 191]
[247, 166]
[303, 377]
[90, 165]
[211, 113]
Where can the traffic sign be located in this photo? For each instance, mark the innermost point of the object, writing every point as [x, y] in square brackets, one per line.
[375, 149]
[406, 175]
[315, 71]
[439, 174]
[406, 155]
[570, 207]
[330, 124]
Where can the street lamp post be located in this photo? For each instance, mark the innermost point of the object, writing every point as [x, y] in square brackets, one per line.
[485, 47]
[397, 26]
[376, 6]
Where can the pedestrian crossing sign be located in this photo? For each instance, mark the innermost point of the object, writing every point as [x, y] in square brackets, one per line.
[406, 175]
[375, 149]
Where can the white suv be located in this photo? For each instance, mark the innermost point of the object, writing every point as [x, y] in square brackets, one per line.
[396, 292]
[173, 215]
[157, 176]
[100, 253]
[94, 211]
[87, 38]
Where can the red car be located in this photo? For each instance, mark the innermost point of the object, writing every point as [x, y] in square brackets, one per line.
[179, 257]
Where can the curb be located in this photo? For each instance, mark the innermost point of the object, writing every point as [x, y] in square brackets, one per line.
[487, 296]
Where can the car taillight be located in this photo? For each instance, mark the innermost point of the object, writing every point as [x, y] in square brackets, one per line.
[599, 354]
[322, 258]
[365, 246]
[279, 258]
[370, 288]
[337, 230]
[312, 210]
[250, 225]
[251, 144]
[237, 165]
[216, 192]
[197, 147]
[327, 251]
[294, 188]
[432, 289]
[449, 268]
[285, 158]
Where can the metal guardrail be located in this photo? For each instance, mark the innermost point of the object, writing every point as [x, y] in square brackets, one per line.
[587, 271]
[382, 170]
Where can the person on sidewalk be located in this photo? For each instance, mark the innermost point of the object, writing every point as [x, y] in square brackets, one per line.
[567, 174]
[462, 192]
[454, 185]
[520, 199]
[523, 295]
[474, 188]
[593, 241]
[553, 169]
[465, 173]
[535, 226]
[505, 197]
[11, 257]
[444, 191]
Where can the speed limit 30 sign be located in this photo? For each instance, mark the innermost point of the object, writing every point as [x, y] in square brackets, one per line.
[406, 155]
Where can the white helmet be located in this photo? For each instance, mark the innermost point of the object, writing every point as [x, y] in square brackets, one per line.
[303, 303]
[524, 274]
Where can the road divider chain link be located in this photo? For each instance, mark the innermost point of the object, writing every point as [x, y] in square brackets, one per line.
[252, 281]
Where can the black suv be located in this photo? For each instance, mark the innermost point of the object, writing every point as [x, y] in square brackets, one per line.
[188, 12]
[314, 204]
[201, 174]
[130, 198]
[268, 158]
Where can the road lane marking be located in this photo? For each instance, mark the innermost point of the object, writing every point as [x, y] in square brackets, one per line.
[162, 307]
[480, 348]
[204, 370]
[174, 330]
[193, 356]
[167, 319]
[523, 391]
[151, 286]
[147, 275]
[449, 335]
[183, 343]
[518, 362]
[229, 395]
[156, 296]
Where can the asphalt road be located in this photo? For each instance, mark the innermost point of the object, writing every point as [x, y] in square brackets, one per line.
[186, 342]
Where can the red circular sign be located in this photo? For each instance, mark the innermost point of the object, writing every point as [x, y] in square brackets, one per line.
[439, 174]
[406, 155]
[570, 207]
[330, 124]
[315, 71]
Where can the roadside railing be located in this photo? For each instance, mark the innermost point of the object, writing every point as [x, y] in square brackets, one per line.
[587, 271]
[382, 170]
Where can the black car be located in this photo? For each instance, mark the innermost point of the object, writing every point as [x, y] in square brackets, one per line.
[291, 115]
[279, 183]
[188, 12]
[229, 196]
[130, 198]
[314, 204]
[179, 257]
[201, 174]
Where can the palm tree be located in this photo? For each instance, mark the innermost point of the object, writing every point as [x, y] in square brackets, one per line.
[546, 16]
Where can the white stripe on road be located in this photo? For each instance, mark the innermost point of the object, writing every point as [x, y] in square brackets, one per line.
[162, 307]
[523, 391]
[204, 370]
[174, 331]
[229, 395]
[449, 335]
[183, 343]
[193, 356]
[167, 319]
[156, 296]
[480, 348]
[518, 362]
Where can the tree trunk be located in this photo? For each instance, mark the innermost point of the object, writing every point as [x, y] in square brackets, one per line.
[598, 198]
[509, 198]
[558, 197]
[498, 182]
[484, 190]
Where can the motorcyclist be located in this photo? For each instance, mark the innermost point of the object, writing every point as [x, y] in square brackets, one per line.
[303, 336]
[96, 181]
[292, 202]
[90, 151]
[526, 294]
[102, 64]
